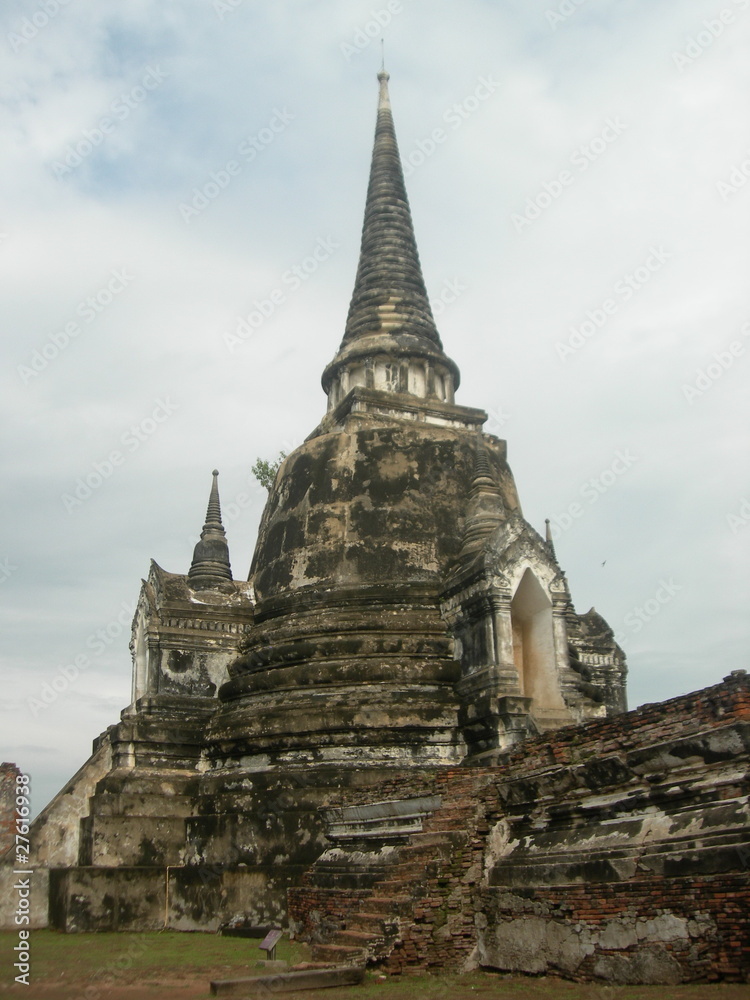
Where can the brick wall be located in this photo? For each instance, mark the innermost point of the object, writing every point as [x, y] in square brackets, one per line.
[8, 774]
[442, 933]
[689, 929]
[647, 724]
[315, 913]
[689, 756]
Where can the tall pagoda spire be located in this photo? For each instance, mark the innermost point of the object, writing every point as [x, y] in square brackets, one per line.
[389, 291]
[390, 312]
[210, 567]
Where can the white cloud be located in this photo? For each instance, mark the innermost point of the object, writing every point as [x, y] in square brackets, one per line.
[656, 185]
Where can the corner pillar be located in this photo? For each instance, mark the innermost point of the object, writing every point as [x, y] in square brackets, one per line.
[560, 634]
[502, 626]
[429, 378]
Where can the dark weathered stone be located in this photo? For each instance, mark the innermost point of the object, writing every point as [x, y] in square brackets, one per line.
[398, 737]
[400, 615]
[210, 567]
[390, 313]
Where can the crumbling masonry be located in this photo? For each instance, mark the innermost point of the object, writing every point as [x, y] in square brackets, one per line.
[398, 738]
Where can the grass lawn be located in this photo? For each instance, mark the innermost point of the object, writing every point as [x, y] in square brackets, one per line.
[173, 966]
[54, 954]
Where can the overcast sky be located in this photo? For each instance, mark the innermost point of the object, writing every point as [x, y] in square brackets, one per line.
[578, 175]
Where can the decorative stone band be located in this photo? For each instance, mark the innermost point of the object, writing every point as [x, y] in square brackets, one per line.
[208, 625]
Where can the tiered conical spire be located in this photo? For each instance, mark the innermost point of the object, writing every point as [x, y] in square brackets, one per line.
[389, 311]
[389, 287]
[486, 509]
[210, 567]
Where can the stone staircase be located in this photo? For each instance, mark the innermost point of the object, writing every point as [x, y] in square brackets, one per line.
[373, 927]
[137, 818]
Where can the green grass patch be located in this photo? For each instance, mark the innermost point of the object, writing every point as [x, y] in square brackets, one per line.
[90, 956]
[492, 986]
[165, 957]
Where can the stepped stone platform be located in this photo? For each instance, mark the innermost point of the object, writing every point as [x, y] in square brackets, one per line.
[397, 738]
[618, 850]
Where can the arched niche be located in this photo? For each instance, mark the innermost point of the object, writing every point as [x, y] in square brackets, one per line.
[534, 644]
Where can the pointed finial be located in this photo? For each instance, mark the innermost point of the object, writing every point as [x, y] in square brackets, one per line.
[382, 50]
[213, 514]
[389, 312]
[384, 101]
[548, 535]
[210, 567]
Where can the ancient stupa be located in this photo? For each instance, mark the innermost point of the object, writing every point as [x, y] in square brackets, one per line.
[400, 616]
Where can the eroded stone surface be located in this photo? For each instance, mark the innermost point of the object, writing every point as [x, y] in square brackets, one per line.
[401, 709]
[651, 966]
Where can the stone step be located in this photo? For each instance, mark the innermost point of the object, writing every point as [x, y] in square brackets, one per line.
[167, 783]
[438, 843]
[141, 804]
[446, 825]
[394, 905]
[351, 879]
[410, 875]
[354, 938]
[414, 874]
[453, 809]
[391, 887]
[131, 841]
[424, 854]
[339, 954]
[429, 837]
[374, 923]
